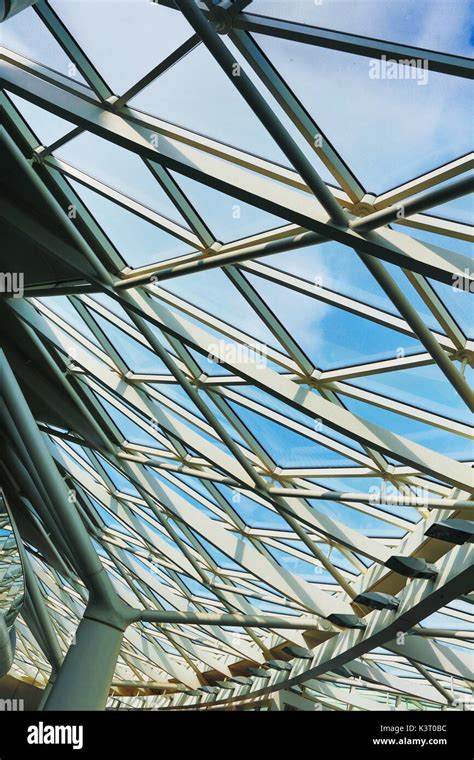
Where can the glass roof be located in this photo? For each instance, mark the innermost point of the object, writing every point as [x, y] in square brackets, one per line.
[257, 287]
[408, 22]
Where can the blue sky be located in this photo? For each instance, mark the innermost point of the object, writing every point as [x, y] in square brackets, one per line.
[408, 120]
[387, 131]
[413, 22]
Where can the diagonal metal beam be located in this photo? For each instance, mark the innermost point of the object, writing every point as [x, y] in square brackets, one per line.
[263, 193]
[445, 63]
[261, 108]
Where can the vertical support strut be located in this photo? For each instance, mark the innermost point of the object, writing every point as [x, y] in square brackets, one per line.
[84, 679]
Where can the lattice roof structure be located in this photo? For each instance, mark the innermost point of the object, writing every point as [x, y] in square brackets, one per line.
[236, 354]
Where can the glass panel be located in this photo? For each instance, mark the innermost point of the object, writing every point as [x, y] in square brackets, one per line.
[287, 448]
[300, 567]
[139, 242]
[197, 95]
[251, 512]
[378, 489]
[332, 266]
[12, 580]
[398, 275]
[178, 489]
[120, 169]
[454, 244]
[355, 519]
[459, 210]
[176, 393]
[26, 34]
[274, 405]
[64, 308]
[407, 22]
[139, 358]
[229, 218]
[118, 479]
[47, 127]
[409, 385]
[458, 300]
[407, 114]
[130, 430]
[456, 296]
[330, 336]
[213, 292]
[432, 438]
[125, 39]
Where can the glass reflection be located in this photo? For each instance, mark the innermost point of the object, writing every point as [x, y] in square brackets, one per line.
[11, 570]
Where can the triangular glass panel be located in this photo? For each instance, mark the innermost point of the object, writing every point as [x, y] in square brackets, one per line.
[62, 306]
[421, 387]
[47, 127]
[443, 441]
[397, 103]
[119, 169]
[136, 356]
[108, 39]
[334, 267]
[287, 448]
[330, 336]
[214, 292]
[26, 34]
[138, 241]
[228, 218]
[197, 95]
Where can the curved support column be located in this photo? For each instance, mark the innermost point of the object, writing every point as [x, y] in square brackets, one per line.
[84, 679]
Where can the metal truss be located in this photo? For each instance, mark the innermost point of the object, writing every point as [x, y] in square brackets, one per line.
[165, 466]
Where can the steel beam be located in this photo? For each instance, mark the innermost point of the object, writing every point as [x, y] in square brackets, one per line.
[261, 108]
[262, 192]
[355, 44]
[421, 202]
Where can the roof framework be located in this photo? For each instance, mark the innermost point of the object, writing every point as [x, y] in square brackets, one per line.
[244, 558]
